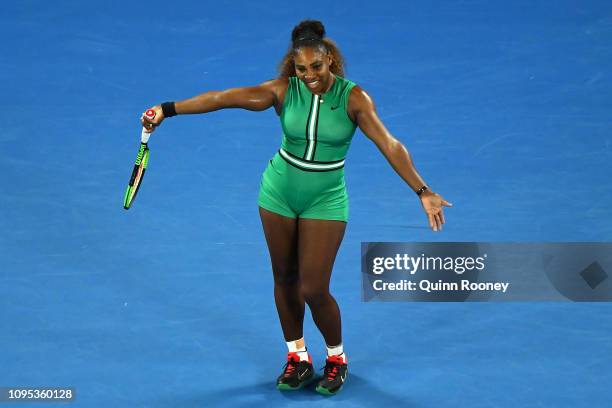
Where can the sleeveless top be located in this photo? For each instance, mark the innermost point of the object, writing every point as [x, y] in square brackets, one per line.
[317, 130]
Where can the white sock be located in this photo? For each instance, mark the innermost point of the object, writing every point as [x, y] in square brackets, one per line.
[302, 352]
[336, 351]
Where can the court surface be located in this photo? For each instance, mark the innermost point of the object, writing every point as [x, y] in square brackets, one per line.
[505, 107]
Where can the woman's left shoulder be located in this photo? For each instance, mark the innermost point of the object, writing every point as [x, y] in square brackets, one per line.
[359, 97]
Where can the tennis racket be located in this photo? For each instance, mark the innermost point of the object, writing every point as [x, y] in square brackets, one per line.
[142, 159]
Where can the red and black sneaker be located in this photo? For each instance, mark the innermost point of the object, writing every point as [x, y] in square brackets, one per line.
[296, 373]
[334, 375]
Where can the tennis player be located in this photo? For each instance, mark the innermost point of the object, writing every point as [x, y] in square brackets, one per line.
[303, 203]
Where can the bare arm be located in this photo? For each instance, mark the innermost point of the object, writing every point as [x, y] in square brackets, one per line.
[363, 112]
[253, 98]
[395, 152]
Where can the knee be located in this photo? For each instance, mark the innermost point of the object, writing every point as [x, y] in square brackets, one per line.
[286, 276]
[314, 295]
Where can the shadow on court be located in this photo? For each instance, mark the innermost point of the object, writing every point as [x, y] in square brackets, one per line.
[264, 394]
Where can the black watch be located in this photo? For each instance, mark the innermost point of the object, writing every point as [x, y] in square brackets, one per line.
[421, 190]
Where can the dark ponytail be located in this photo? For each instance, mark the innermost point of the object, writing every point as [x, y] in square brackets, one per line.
[311, 33]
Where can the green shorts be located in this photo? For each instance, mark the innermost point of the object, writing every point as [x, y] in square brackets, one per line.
[293, 192]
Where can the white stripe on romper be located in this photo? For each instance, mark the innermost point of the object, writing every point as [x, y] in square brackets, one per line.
[311, 166]
[312, 128]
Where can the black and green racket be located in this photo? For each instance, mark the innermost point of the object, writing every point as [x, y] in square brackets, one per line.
[142, 159]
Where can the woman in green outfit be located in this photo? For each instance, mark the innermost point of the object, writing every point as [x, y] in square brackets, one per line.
[302, 200]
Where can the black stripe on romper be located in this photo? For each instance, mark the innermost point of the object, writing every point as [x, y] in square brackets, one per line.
[297, 166]
[316, 132]
[312, 98]
[311, 170]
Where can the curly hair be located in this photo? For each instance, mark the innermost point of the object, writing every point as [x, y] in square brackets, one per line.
[310, 33]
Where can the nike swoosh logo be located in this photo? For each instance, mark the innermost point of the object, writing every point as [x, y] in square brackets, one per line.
[343, 377]
[335, 107]
[302, 375]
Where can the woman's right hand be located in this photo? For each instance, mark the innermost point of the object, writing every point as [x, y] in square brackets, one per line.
[149, 125]
[433, 204]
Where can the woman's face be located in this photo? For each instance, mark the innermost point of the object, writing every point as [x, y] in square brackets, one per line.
[312, 67]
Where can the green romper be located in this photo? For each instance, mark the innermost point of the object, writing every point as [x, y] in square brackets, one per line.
[306, 177]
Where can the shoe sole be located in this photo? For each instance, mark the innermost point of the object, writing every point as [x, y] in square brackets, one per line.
[287, 387]
[325, 391]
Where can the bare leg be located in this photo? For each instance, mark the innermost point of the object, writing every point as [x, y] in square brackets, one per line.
[318, 245]
[282, 237]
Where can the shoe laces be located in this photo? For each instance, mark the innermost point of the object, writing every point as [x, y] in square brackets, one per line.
[331, 367]
[292, 360]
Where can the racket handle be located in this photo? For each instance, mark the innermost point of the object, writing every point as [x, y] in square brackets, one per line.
[144, 136]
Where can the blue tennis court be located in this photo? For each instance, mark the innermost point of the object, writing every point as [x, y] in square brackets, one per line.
[505, 108]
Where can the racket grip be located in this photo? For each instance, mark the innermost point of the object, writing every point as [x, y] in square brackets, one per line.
[144, 136]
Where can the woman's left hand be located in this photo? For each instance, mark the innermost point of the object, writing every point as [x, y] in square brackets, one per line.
[432, 204]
